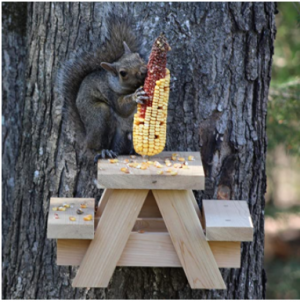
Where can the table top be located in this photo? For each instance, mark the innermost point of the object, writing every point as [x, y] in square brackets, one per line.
[165, 171]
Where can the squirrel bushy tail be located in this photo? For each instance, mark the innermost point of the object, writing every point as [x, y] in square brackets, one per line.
[73, 72]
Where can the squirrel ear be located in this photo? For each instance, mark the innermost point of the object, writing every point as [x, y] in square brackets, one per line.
[126, 48]
[109, 67]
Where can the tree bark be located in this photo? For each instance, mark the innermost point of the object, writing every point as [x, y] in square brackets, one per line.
[221, 68]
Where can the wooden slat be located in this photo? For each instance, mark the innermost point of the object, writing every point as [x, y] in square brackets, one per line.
[227, 220]
[199, 213]
[103, 201]
[63, 227]
[110, 175]
[145, 225]
[111, 236]
[150, 207]
[150, 225]
[197, 260]
[148, 250]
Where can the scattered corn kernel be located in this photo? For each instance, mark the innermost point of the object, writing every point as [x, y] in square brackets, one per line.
[83, 205]
[54, 209]
[177, 166]
[160, 172]
[174, 173]
[66, 205]
[173, 157]
[157, 164]
[88, 217]
[125, 170]
[113, 161]
[61, 208]
[132, 156]
[182, 159]
[174, 154]
[126, 161]
[144, 167]
[191, 157]
[72, 218]
[169, 170]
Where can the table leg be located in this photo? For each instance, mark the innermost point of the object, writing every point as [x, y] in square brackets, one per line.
[178, 211]
[111, 236]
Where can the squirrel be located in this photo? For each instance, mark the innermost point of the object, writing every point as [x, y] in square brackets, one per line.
[101, 89]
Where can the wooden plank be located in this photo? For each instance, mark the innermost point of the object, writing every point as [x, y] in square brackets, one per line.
[149, 225]
[110, 239]
[148, 250]
[227, 220]
[150, 207]
[197, 209]
[110, 175]
[194, 253]
[145, 225]
[63, 227]
[103, 201]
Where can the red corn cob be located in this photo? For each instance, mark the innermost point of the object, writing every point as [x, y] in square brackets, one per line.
[156, 68]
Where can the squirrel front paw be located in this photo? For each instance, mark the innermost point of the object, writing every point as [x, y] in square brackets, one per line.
[140, 96]
[105, 154]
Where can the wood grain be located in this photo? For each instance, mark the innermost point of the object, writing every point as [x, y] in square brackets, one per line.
[149, 225]
[110, 175]
[63, 227]
[103, 201]
[111, 236]
[149, 209]
[227, 220]
[197, 260]
[148, 250]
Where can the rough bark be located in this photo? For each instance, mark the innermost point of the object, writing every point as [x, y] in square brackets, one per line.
[13, 84]
[221, 68]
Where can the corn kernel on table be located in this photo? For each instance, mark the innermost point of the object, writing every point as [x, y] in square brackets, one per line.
[150, 218]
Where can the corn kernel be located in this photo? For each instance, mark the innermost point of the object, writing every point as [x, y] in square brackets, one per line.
[88, 218]
[113, 161]
[125, 170]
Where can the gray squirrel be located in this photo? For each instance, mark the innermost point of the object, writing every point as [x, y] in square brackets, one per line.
[101, 89]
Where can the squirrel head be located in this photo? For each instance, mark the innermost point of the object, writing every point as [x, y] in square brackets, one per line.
[130, 70]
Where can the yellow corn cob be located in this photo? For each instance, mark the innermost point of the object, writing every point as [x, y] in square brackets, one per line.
[149, 133]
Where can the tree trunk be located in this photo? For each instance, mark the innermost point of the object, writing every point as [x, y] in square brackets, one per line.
[221, 67]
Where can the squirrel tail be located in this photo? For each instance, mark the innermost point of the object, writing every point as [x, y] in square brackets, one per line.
[118, 28]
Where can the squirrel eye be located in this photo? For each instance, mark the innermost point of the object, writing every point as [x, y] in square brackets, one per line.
[123, 73]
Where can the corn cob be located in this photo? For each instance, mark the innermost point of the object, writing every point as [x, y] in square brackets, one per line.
[149, 125]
